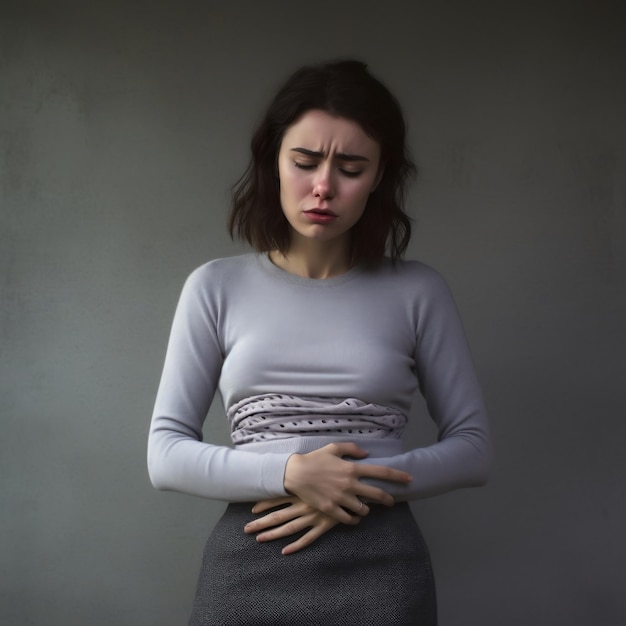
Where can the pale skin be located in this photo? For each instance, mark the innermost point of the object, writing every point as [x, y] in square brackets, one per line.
[327, 167]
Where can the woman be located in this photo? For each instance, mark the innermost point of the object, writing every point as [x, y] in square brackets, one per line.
[317, 344]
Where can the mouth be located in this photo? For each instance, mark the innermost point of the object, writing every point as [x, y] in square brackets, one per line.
[320, 216]
[326, 212]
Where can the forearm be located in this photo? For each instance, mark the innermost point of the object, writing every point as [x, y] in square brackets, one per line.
[451, 464]
[184, 464]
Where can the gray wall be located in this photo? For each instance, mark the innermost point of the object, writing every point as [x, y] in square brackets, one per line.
[122, 126]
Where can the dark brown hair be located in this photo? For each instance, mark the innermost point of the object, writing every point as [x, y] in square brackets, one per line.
[345, 89]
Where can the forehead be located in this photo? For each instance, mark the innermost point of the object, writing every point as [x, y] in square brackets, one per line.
[319, 130]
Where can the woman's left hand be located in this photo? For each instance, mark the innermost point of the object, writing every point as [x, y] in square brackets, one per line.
[289, 520]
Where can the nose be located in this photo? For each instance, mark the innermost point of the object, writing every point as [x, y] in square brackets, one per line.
[323, 185]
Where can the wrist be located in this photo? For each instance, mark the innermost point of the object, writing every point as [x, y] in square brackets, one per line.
[288, 477]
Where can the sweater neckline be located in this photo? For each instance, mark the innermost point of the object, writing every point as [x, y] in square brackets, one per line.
[285, 276]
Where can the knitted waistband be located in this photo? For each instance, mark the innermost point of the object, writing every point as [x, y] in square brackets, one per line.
[278, 416]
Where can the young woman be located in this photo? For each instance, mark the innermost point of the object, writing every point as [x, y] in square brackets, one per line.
[317, 344]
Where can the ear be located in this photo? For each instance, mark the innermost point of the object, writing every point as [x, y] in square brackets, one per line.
[379, 176]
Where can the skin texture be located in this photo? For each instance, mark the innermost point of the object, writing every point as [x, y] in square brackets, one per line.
[327, 490]
[292, 519]
[327, 167]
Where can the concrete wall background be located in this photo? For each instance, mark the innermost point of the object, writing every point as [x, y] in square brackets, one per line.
[122, 127]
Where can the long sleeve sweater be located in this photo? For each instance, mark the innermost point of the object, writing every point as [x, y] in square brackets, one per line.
[245, 328]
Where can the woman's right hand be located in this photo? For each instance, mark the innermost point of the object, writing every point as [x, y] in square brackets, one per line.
[324, 480]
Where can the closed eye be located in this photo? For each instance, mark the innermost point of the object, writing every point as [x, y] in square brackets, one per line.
[311, 166]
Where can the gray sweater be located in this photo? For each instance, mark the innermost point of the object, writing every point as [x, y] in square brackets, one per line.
[342, 358]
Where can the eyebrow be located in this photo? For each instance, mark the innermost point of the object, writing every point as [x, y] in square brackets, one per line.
[342, 156]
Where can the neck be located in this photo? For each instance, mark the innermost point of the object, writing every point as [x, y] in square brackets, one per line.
[314, 259]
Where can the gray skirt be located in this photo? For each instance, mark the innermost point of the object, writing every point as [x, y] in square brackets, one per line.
[377, 573]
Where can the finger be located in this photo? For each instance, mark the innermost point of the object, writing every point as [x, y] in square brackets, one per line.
[307, 539]
[339, 513]
[290, 528]
[351, 511]
[354, 520]
[375, 494]
[382, 472]
[361, 509]
[347, 449]
[271, 503]
[275, 518]
[356, 506]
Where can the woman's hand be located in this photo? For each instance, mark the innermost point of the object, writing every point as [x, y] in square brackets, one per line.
[333, 486]
[287, 521]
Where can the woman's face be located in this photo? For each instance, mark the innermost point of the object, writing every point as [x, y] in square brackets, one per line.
[327, 167]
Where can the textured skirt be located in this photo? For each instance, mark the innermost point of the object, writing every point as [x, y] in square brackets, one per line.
[377, 573]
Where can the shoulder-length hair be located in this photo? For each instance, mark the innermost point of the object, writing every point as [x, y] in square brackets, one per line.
[344, 89]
